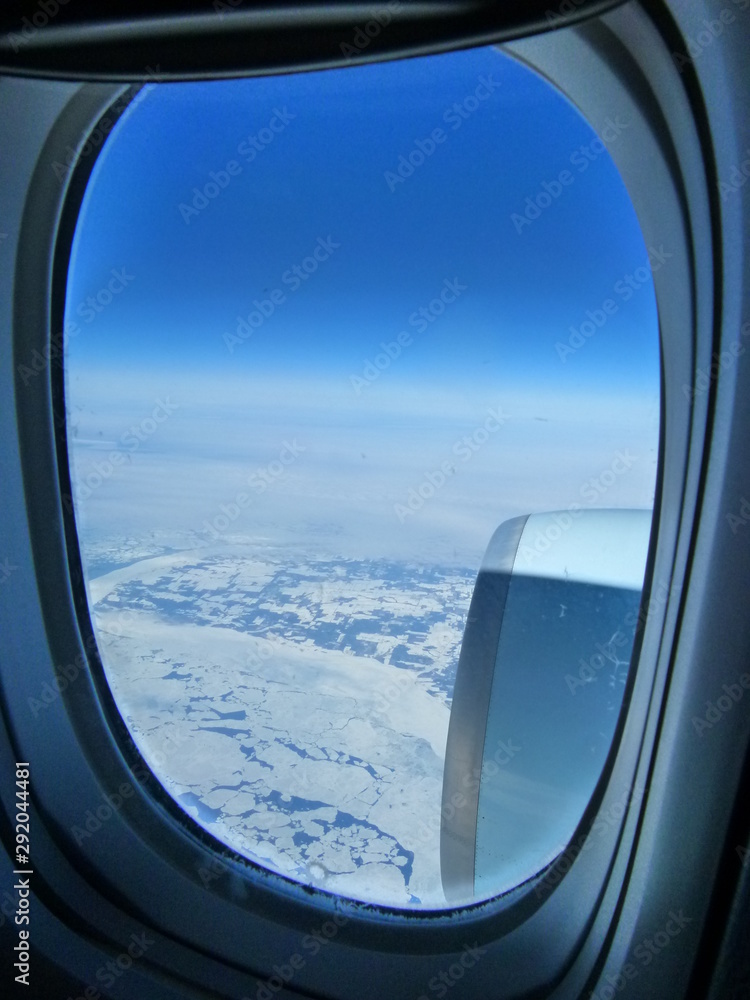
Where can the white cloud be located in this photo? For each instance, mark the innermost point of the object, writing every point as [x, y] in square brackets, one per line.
[358, 460]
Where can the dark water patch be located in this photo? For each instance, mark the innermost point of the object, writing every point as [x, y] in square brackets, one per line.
[205, 813]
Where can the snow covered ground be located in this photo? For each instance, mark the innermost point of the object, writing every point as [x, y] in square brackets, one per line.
[300, 715]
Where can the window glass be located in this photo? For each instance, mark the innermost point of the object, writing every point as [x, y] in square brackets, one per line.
[325, 332]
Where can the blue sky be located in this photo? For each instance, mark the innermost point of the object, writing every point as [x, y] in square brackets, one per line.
[323, 175]
[309, 161]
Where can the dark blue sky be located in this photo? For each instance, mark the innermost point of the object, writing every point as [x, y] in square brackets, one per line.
[324, 175]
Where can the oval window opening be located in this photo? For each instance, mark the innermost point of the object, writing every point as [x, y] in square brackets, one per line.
[348, 354]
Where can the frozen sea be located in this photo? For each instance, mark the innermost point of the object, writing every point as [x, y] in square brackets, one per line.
[297, 709]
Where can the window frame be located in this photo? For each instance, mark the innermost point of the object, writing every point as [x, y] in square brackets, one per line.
[547, 946]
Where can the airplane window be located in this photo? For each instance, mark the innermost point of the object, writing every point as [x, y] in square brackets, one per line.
[325, 334]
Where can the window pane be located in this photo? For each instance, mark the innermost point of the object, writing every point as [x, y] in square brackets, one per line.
[326, 332]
